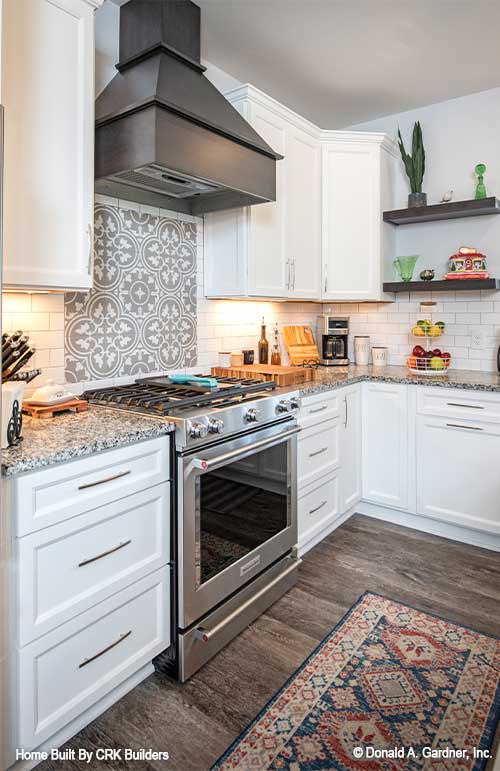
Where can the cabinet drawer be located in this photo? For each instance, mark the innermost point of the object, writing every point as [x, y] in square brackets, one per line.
[317, 451]
[317, 508]
[319, 407]
[67, 568]
[90, 655]
[459, 403]
[46, 497]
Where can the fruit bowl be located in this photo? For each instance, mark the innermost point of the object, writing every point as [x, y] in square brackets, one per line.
[429, 365]
[426, 328]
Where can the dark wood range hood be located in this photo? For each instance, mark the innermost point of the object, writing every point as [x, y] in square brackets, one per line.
[165, 135]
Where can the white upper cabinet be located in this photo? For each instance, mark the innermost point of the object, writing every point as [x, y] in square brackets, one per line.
[273, 249]
[48, 95]
[357, 176]
[303, 213]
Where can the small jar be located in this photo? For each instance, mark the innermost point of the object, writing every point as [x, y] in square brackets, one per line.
[380, 356]
[224, 358]
[248, 355]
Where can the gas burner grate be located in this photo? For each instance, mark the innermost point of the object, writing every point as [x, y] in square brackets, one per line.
[162, 398]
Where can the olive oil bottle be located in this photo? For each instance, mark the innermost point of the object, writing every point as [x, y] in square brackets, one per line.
[263, 344]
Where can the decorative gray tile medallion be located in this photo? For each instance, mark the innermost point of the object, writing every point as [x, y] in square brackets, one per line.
[140, 316]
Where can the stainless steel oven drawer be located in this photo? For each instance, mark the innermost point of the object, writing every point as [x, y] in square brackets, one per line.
[209, 636]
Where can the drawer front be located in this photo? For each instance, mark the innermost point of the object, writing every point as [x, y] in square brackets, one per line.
[319, 407]
[53, 495]
[68, 568]
[317, 508]
[459, 403]
[318, 452]
[91, 655]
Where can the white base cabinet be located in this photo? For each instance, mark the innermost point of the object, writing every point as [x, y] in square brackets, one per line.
[350, 448]
[48, 95]
[328, 461]
[90, 591]
[458, 479]
[385, 444]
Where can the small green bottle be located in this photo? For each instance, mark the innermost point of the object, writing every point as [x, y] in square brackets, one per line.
[480, 187]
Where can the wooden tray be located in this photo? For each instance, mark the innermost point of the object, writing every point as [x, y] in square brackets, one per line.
[300, 345]
[282, 376]
[43, 413]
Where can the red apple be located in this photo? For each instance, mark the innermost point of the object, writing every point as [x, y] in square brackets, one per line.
[446, 356]
[436, 352]
[418, 351]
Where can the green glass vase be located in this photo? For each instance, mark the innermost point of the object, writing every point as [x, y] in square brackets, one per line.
[405, 266]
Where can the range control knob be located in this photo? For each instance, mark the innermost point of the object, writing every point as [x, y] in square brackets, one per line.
[198, 430]
[252, 415]
[285, 405]
[216, 426]
[294, 403]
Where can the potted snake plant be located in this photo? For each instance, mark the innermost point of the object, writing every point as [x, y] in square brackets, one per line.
[414, 166]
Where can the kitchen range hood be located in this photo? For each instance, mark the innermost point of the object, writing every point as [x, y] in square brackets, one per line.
[165, 135]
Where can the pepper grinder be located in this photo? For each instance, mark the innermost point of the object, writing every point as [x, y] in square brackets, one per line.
[276, 354]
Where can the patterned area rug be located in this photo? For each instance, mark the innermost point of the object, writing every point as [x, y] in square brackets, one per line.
[390, 689]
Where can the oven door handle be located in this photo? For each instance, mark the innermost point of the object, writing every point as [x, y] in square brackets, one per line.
[207, 465]
[205, 635]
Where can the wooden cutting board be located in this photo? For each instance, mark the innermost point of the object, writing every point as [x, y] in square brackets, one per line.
[283, 376]
[44, 413]
[300, 345]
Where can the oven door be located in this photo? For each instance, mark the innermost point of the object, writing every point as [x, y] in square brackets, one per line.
[238, 515]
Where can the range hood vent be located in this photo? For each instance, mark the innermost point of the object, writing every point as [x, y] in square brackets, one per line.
[164, 134]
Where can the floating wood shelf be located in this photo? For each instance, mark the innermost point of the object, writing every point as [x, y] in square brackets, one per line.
[457, 285]
[443, 211]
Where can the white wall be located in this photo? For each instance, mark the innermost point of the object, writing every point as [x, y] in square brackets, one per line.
[457, 134]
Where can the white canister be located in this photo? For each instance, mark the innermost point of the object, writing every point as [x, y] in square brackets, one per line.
[362, 349]
[12, 402]
[379, 356]
[224, 358]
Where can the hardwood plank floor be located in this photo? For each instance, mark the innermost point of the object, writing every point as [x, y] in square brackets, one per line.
[195, 722]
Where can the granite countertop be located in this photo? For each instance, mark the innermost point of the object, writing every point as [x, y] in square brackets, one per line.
[68, 436]
[327, 379]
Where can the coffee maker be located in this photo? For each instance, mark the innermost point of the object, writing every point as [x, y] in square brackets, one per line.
[332, 336]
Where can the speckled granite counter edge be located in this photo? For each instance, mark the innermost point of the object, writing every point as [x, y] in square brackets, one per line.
[313, 388]
[23, 465]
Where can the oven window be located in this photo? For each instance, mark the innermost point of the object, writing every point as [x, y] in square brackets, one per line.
[242, 505]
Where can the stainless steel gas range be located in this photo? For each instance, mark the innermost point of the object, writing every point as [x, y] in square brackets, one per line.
[235, 524]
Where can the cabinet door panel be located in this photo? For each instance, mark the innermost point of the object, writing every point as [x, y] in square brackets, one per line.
[267, 270]
[48, 93]
[385, 444]
[351, 222]
[303, 213]
[457, 472]
[350, 450]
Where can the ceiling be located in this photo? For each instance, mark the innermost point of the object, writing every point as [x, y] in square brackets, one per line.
[342, 62]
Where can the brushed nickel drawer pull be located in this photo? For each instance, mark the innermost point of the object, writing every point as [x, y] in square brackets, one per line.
[469, 406]
[104, 554]
[121, 638]
[469, 428]
[102, 481]
[317, 452]
[313, 511]
[319, 409]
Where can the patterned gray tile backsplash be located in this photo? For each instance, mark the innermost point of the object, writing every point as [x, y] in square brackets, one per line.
[140, 316]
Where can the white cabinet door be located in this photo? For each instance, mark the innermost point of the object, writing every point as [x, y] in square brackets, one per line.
[267, 268]
[350, 449]
[385, 444]
[303, 213]
[48, 94]
[350, 220]
[457, 472]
